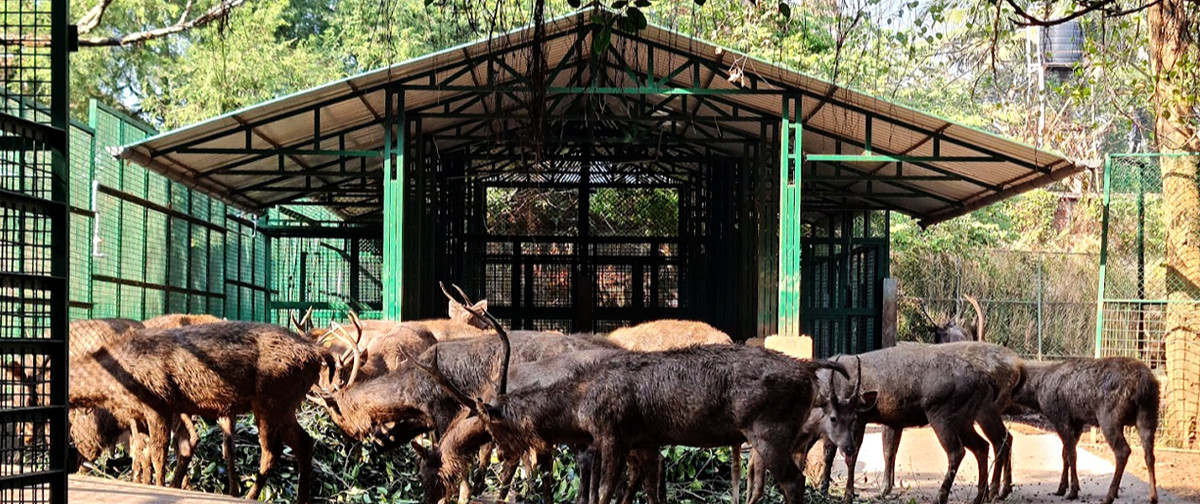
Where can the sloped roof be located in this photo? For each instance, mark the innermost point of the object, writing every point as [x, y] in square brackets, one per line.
[266, 154]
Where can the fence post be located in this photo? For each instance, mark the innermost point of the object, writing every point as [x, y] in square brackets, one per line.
[1040, 288]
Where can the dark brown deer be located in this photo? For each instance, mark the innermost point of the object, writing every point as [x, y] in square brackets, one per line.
[953, 328]
[1112, 393]
[669, 334]
[213, 370]
[909, 386]
[702, 396]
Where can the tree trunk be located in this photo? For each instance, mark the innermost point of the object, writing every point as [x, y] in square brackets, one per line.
[1175, 94]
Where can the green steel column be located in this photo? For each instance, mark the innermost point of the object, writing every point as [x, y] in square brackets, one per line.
[393, 207]
[1103, 255]
[789, 218]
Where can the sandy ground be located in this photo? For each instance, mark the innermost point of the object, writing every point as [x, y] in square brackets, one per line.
[88, 489]
[1037, 465]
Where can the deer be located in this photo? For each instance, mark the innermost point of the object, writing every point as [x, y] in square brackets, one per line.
[212, 370]
[910, 386]
[395, 407]
[1110, 392]
[668, 334]
[174, 320]
[702, 396]
[953, 328]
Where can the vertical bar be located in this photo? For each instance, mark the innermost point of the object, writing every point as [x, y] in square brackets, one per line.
[1141, 258]
[1040, 307]
[1103, 254]
[393, 206]
[790, 225]
[60, 245]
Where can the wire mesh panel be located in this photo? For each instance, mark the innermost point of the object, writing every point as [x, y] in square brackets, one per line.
[1149, 286]
[34, 258]
[844, 261]
[1039, 304]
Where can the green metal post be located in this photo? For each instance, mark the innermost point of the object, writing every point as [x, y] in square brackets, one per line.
[1103, 254]
[393, 207]
[790, 135]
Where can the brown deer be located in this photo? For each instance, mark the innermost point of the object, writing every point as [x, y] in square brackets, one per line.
[213, 370]
[1112, 393]
[704, 396]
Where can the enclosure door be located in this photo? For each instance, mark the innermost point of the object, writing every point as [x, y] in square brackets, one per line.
[573, 258]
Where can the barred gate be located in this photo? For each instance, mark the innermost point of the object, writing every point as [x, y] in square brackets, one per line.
[1149, 300]
[34, 256]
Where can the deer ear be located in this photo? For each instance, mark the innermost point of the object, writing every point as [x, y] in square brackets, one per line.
[866, 401]
[480, 306]
[422, 452]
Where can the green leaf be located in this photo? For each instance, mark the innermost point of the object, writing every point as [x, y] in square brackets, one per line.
[642, 3]
[700, 2]
[785, 9]
[428, 3]
[573, 3]
[601, 40]
[620, 4]
[599, 20]
[637, 18]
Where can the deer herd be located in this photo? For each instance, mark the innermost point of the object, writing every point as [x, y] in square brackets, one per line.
[613, 400]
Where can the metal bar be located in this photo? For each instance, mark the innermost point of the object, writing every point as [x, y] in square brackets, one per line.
[393, 207]
[884, 158]
[1104, 221]
[284, 151]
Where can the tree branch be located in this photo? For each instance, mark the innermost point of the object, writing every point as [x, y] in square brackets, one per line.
[216, 12]
[91, 19]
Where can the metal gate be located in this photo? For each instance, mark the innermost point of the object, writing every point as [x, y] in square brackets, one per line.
[33, 252]
[843, 264]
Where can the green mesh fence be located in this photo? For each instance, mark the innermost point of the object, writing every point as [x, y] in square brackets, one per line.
[143, 245]
[1149, 286]
[330, 275]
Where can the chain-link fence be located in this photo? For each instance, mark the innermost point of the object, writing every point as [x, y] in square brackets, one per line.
[1040, 304]
[1150, 279]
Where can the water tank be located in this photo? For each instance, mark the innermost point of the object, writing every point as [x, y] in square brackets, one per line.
[1062, 45]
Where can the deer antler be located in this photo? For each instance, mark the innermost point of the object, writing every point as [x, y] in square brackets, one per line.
[340, 333]
[858, 379]
[504, 343]
[925, 312]
[450, 297]
[978, 316]
[306, 321]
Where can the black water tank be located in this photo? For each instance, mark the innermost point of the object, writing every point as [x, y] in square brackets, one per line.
[1062, 45]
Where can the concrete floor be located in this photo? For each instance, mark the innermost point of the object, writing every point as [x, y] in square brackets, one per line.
[88, 489]
[1037, 465]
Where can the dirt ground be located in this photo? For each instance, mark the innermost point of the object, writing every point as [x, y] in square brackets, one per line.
[1037, 465]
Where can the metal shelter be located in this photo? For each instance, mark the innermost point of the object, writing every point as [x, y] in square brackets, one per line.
[660, 177]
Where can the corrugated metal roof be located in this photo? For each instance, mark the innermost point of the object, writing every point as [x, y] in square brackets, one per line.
[229, 157]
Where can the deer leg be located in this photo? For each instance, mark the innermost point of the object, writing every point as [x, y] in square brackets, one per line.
[777, 457]
[159, 438]
[135, 453]
[271, 444]
[226, 424]
[185, 445]
[950, 436]
[1114, 433]
[891, 445]
[479, 478]
[302, 447]
[635, 472]
[1070, 439]
[612, 466]
[545, 469]
[851, 461]
[756, 477]
[1147, 422]
[979, 448]
[829, 450]
[993, 427]
[735, 457]
[508, 471]
[584, 462]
